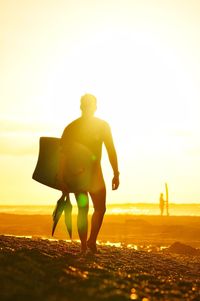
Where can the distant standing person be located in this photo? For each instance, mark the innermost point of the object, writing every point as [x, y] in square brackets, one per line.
[80, 167]
[162, 204]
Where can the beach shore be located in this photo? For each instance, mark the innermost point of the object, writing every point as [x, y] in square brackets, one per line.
[139, 259]
[127, 229]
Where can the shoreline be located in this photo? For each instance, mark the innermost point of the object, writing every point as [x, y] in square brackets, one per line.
[135, 230]
[112, 209]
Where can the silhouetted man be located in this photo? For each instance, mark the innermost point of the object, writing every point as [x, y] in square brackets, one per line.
[80, 168]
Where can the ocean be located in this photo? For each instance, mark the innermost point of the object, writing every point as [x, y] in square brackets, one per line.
[116, 209]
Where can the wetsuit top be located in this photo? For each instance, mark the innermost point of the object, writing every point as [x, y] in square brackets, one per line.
[81, 144]
[89, 132]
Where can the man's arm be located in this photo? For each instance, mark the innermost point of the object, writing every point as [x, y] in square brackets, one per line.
[112, 155]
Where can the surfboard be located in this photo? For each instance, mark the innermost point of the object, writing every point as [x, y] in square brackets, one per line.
[48, 161]
[167, 199]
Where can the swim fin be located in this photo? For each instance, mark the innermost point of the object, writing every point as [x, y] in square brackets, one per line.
[62, 205]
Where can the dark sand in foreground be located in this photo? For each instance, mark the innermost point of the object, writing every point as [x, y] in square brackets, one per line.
[40, 269]
[37, 269]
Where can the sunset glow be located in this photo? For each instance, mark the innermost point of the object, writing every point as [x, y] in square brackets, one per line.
[141, 59]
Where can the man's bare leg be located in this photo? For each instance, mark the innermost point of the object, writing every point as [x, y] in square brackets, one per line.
[82, 219]
[99, 200]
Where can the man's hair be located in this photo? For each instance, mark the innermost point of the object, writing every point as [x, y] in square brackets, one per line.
[88, 101]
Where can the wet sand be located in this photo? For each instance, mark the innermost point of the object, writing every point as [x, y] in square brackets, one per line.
[38, 269]
[147, 265]
[128, 229]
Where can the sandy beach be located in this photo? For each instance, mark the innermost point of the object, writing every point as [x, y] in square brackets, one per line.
[127, 229]
[141, 258]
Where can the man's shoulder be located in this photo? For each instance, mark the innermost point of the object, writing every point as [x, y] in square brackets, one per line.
[79, 122]
[101, 121]
[73, 123]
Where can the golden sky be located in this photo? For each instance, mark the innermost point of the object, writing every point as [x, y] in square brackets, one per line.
[142, 61]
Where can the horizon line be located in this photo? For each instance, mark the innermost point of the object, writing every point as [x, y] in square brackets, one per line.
[113, 204]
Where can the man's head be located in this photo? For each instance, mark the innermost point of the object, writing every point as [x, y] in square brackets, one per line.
[88, 104]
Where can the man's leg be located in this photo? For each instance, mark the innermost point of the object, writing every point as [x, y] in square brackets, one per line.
[99, 202]
[82, 219]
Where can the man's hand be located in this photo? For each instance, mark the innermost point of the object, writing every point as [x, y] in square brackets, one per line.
[115, 182]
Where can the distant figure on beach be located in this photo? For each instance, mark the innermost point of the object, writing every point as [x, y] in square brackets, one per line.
[162, 204]
[80, 168]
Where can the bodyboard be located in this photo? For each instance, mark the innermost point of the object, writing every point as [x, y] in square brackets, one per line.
[48, 161]
[78, 172]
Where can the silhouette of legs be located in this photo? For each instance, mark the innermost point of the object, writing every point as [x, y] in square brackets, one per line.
[82, 219]
[68, 214]
[161, 208]
[99, 202]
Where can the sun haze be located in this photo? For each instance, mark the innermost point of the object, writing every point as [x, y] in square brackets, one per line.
[141, 59]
